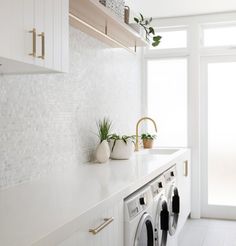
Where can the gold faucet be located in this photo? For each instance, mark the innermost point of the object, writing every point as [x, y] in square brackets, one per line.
[137, 126]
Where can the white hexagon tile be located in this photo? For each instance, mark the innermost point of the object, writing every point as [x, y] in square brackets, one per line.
[48, 122]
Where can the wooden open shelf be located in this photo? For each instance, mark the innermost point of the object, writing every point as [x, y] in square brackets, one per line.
[91, 17]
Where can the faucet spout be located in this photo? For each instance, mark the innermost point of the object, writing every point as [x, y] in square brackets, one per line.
[137, 128]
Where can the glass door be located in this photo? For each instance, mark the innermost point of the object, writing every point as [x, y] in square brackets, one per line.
[218, 137]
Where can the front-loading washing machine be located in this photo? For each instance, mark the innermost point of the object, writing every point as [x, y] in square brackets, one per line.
[138, 226]
[160, 211]
[173, 198]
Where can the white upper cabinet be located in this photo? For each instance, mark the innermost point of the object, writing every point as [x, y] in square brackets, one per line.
[34, 36]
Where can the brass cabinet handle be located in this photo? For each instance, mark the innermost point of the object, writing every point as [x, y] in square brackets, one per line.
[33, 31]
[186, 168]
[106, 222]
[42, 35]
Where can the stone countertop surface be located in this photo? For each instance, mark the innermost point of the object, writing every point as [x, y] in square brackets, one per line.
[44, 211]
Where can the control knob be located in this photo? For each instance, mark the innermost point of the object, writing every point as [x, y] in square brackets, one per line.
[142, 201]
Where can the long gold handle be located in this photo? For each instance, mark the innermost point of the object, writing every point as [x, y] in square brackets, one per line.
[186, 168]
[33, 31]
[106, 222]
[42, 35]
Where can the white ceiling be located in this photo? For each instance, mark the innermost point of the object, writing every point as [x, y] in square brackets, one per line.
[169, 8]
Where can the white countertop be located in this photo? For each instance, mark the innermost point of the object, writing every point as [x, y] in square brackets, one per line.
[31, 213]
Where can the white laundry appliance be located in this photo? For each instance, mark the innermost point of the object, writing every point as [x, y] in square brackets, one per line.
[160, 211]
[173, 199]
[138, 218]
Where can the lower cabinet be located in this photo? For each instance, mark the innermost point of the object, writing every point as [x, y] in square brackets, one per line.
[101, 226]
[184, 186]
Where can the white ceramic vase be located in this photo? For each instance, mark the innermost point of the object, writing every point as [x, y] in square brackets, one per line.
[121, 150]
[103, 152]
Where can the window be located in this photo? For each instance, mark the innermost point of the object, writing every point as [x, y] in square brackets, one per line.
[167, 100]
[219, 35]
[172, 39]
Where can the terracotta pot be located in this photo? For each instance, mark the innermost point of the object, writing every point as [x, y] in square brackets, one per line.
[148, 143]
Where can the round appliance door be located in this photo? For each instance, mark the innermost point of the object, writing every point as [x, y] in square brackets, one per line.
[174, 208]
[144, 234]
[161, 225]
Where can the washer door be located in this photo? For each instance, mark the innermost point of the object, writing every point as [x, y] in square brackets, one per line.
[174, 208]
[144, 234]
[161, 225]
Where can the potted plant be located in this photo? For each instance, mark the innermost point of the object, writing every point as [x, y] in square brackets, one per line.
[102, 153]
[122, 147]
[148, 140]
[150, 34]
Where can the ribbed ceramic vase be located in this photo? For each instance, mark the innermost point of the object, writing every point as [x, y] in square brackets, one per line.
[103, 152]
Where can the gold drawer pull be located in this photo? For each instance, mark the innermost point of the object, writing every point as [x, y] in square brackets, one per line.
[186, 168]
[42, 35]
[33, 31]
[106, 222]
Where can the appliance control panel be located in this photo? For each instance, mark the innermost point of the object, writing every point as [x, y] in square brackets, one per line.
[138, 202]
[170, 174]
[157, 185]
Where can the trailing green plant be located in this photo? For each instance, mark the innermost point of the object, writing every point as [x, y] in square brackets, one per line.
[104, 127]
[148, 136]
[149, 30]
[125, 138]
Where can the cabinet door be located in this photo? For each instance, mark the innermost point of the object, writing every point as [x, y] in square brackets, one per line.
[29, 31]
[11, 28]
[184, 186]
[51, 21]
[111, 234]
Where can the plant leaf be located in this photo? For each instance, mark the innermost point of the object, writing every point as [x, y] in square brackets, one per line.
[136, 20]
[157, 38]
[142, 18]
[156, 43]
[151, 30]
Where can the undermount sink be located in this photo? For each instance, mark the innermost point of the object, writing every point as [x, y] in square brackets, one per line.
[162, 151]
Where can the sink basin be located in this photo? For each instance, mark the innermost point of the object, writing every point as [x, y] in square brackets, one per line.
[162, 151]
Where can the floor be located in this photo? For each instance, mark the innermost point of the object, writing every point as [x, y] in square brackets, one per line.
[205, 232]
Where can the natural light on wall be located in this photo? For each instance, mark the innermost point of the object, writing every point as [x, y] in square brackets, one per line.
[221, 133]
[167, 100]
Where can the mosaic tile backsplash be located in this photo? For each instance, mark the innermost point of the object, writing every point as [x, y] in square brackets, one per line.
[48, 122]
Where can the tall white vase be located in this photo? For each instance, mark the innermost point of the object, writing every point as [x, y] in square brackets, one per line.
[103, 152]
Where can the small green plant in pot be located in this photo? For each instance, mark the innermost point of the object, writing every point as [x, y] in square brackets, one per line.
[148, 140]
[102, 153]
[150, 33]
[122, 147]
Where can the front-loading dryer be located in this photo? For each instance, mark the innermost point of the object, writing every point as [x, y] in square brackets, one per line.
[138, 228]
[173, 199]
[160, 211]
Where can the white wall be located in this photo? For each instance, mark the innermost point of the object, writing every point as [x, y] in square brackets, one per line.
[170, 8]
[48, 122]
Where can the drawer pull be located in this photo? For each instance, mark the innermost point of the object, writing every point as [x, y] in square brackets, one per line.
[42, 35]
[33, 31]
[186, 168]
[106, 222]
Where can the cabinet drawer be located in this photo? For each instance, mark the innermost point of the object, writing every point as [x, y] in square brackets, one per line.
[101, 226]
